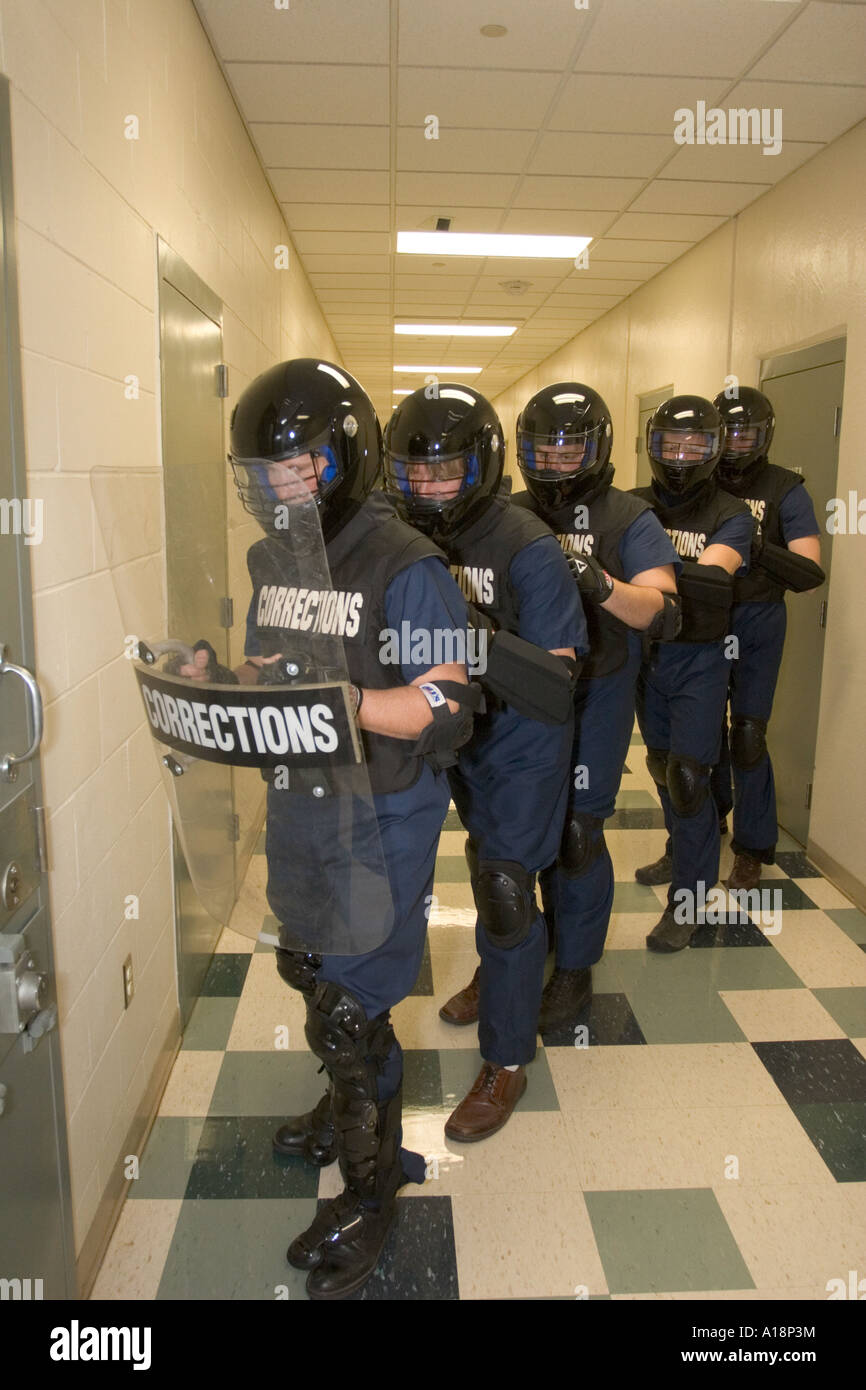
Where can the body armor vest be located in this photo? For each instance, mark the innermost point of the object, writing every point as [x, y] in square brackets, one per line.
[609, 513]
[763, 488]
[365, 555]
[480, 555]
[691, 524]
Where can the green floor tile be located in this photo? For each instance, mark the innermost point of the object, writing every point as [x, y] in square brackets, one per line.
[675, 997]
[838, 1131]
[627, 799]
[851, 920]
[236, 1249]
[636, 897]
[847, 1007]
[210, 1024]
[168, 1157]
[670, 1241]
[264, 1083]
[459, 1069]
[451, 868]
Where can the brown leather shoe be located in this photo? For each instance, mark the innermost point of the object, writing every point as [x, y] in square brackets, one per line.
[746, 872]
[462, 1008]
[488, 1105]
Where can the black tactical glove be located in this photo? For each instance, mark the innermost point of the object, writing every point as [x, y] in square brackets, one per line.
[594, 583]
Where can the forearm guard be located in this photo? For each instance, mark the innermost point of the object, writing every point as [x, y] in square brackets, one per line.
[792, 571]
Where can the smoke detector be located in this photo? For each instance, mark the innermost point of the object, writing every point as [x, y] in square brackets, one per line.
[515, 286]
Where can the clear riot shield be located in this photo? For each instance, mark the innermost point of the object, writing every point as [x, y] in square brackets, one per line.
[327, 884]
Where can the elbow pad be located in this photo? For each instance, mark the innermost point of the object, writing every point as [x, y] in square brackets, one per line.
[706, 584]
[667, 623]
[438, 742]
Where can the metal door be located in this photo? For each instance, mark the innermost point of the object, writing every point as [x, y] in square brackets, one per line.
[646, 405]
[36, 1238]
[806, 391]
[196, 565]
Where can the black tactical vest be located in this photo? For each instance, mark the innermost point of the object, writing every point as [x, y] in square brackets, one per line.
[763, 488]
[610, 513]
[363, 558]
[691, 524]
[479, 558]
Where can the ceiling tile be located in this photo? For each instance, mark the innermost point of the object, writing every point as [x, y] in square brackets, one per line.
[449, 35]
[473, 99]
[575, 288]
[464, 190]
[683, 196]
[300, 146]
[635, 250]
[638, 105]
[565, 192]
[738, 163]
[340, 244]
[620, 156]
[826, 43]
[336, 217]
[325, 280]
[344, 186]
[544, 218]
[454, 281]
[809, 112]
[314, 262]
[275, 92]
[673, 226]
[700, 39]
[301, 34]
[482, 151]
[414, 217]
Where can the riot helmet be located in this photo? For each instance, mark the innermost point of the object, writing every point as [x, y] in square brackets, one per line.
[684, 439]
[444, 453]
[564, 439]
[749, 423]
[305, 426]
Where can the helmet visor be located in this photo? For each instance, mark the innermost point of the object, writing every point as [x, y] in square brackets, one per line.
[686, 449]
[558, 455]
[430, 486]
[269, 488]
[744, 443]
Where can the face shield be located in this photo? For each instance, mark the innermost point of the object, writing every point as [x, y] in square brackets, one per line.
[269, 489]
[430, 489]
[549, 457]
[681, 459]
[744, 444]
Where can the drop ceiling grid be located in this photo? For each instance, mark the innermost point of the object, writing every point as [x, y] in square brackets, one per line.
[343, 93]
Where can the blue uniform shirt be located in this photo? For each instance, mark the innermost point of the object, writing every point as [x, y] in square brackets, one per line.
[646, 545]
[797, 515]
[551, 614]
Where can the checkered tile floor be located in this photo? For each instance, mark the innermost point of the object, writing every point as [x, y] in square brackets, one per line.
[706, 1137]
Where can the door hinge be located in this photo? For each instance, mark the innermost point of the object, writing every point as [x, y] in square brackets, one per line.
[227, 612]
[837, 419]
[822, 613]
[222, 379]
[41, 839]
[234, 827]
[808, 796]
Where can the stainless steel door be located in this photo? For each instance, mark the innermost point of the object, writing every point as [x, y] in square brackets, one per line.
[195, 524]
[808, 405]
[36, 1239]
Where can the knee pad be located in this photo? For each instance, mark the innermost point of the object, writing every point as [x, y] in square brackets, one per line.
[352, 1047]
[748, 741]
[298, 969]
[657, 764]
[580, 846]
[688, 784]
[505, 898]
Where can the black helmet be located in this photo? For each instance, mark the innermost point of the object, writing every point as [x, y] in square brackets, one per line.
[749, 423]
[568, 416]
[305, 406]
[684, 439]
[451, 436]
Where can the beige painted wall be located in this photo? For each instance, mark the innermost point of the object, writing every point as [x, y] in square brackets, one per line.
[789, 272]
[89, 203]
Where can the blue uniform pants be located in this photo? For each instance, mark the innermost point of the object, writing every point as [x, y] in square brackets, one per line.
[409, 826]
[579, 907]
[760, 630]
[510, 789]
[681, 693]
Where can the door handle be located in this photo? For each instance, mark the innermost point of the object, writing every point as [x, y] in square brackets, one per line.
[9, 761]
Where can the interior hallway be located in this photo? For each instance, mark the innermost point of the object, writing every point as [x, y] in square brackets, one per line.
[617, 1175]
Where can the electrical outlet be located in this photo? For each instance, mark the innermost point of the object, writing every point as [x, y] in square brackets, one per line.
[128, 982]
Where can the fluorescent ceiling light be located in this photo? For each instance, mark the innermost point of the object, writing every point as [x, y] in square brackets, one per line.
[457, 330]
[463, 371]
[490, 244]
